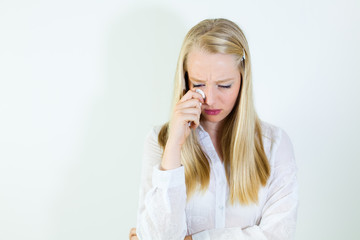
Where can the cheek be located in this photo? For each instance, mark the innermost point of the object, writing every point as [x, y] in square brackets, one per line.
[233, 95]
[229, 98]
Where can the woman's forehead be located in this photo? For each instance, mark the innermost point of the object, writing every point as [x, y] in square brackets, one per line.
[216, 66]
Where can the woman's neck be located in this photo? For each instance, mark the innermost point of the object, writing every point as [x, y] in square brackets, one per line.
[213, 129]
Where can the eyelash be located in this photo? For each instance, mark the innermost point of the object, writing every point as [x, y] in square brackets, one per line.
[222, 86]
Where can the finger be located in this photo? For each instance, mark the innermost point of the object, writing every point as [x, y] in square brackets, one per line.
[132, 233]
[192, 94]
[193, 125]
[185, 111]
[184, 114]
[191, 118]
[192, 103]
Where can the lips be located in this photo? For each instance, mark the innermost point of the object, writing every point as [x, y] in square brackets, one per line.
[212, 111]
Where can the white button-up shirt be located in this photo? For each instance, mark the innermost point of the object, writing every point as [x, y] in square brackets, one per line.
[164, 213]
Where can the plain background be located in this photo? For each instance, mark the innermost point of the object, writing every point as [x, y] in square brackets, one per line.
[82, 83]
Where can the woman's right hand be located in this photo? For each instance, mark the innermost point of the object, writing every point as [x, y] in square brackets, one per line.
[188, 109]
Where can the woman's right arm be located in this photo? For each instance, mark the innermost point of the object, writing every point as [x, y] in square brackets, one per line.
[162, 202]
[161, 212]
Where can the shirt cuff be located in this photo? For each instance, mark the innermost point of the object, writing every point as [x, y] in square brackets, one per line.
[169, 178]
[204, 235]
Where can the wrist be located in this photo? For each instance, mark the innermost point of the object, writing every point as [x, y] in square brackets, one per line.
[169, 165]
[173, 144]
[172, 156]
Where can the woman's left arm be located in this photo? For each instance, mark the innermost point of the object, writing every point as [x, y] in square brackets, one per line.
[279, 214]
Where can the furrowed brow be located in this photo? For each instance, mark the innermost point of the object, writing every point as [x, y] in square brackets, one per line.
[219, 81]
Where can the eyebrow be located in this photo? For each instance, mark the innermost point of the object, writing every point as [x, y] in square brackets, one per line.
[220, 81]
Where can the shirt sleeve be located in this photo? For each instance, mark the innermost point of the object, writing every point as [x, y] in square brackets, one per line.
[279, 214]
[162, 197]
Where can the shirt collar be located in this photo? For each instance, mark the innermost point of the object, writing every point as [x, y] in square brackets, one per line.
[201, 131]
[200, 127]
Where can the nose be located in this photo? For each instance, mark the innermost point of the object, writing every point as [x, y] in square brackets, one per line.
[209, 96]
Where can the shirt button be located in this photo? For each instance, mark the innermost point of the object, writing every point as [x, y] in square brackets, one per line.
[221, 207]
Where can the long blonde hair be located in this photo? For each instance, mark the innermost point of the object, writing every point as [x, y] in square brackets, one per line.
[245, 161]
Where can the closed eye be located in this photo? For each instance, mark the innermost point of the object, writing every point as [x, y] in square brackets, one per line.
[222, 86]
[225, 86]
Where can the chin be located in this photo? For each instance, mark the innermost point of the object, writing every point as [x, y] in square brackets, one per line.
[214, 119]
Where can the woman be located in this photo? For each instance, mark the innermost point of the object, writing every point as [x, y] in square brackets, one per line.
[215, 170]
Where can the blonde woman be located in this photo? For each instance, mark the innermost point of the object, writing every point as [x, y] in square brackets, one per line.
[215, 170]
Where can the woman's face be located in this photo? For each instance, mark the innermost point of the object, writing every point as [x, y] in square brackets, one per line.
[218, 76]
